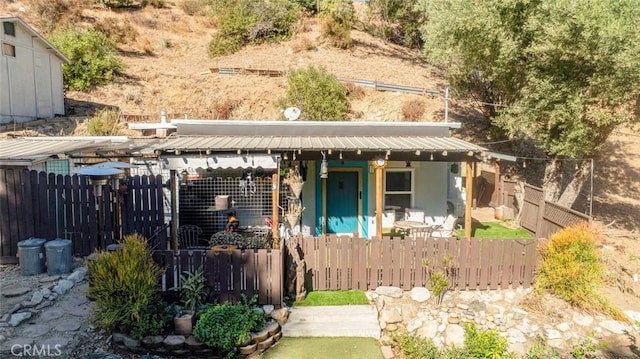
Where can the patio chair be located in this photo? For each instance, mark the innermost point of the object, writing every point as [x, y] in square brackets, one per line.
[446, 228]
[388, 218]
[414, 214]
[189, 236]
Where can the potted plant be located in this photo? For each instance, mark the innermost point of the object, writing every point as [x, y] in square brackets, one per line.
[192, 296]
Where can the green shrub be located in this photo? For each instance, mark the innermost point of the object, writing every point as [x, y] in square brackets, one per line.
[338, 16]
[155, 321]
[124, 284]
[115, 3]
[539, 350]
[439, 277]
[570, 269]
[192, 291]
[104, 123]
[416, 348]
[225, 326]
[93, 56]
[480, 344]
[243, 22]
[317, 93]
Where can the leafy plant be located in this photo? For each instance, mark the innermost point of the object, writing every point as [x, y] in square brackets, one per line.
[485, 343]
[104, 123]
[124, 284]
[317, 93]
[93, 56]
[570, 269]
[439, 277]
[337, 18]
[416, 348]
[242, 22]
[192, 290]
[586, 348]
[154, 321]
[224, 326]
[539, 350]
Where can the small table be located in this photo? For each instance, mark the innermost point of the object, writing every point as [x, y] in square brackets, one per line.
[406, 226]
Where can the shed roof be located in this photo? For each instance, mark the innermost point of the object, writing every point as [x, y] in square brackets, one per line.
[46, 43]
[27, 150]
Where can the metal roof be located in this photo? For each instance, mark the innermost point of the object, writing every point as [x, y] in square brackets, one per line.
[32, 149]
[317, 143]
[49, 46]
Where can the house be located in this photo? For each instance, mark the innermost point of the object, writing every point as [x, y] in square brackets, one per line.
[352, 171]
[31, 81]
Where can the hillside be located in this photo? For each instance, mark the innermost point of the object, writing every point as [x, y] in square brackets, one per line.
[168, 68]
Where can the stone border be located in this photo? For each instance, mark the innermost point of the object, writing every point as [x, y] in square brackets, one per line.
[188, 347]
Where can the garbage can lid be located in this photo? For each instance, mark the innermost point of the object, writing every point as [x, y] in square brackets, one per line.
[57, 243]
[31, 242]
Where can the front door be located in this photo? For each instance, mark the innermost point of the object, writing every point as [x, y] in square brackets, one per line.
[343, 201]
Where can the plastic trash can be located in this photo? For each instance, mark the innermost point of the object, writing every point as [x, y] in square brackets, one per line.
[31, 256]
[58, 256]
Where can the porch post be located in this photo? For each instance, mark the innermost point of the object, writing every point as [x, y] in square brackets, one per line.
[275, 211]
[379, 170]
[496, 181]
[174, 210]
[468, 200]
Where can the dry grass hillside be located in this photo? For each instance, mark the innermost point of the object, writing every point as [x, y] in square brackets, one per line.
[168, 68]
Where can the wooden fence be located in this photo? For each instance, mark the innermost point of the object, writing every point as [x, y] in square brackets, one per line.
[342, 263]
[545, 218]
[229, 274]
[50, 206]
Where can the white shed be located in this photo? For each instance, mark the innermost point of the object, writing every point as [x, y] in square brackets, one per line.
[31, 83]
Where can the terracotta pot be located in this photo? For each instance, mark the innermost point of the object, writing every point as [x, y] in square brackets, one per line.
[183, 323]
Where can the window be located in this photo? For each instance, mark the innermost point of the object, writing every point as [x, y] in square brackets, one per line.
[8, 50]
[9, 28]
[398, 189]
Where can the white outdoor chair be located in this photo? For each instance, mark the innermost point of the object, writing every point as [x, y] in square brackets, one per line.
[414, 214]
[446, 228]
[388, 218]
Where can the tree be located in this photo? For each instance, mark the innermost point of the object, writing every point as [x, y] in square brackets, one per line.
[317, 93]
[566, 71]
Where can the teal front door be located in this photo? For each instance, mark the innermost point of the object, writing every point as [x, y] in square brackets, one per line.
[342, 199]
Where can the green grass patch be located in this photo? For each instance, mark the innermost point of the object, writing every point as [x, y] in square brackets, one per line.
[323, 347]
[495, 230]
[334, 297]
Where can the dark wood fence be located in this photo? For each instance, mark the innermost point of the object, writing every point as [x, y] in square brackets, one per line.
[544, 218]
[229, 274]
[49, 206]
[342, 263]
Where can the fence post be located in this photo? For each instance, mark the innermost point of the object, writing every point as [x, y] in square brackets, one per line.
[540, 221]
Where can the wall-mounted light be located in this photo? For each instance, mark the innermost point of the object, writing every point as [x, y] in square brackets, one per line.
[183, 177]
[445, 153]
[324, 167]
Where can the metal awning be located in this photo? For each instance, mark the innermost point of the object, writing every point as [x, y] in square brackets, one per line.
[309, 147]
[36, 149]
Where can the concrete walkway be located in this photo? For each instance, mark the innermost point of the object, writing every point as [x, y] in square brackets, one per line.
[333, 321]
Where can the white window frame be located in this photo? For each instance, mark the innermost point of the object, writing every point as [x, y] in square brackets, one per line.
[412, 192]
[5, 46]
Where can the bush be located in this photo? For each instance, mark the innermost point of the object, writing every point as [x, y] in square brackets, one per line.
[338, 17]
[317, 93]
[104, 123]
[243, 22]
[225, 326]
[56, 13]
[485, 343]
[93, 56]
[570, 269]
[124, 284]
[416, 348]
[412, 110]
[115, 3]
[155, 320]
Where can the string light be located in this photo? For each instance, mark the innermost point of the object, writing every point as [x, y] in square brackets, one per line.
[431, 156]
[417, 152]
